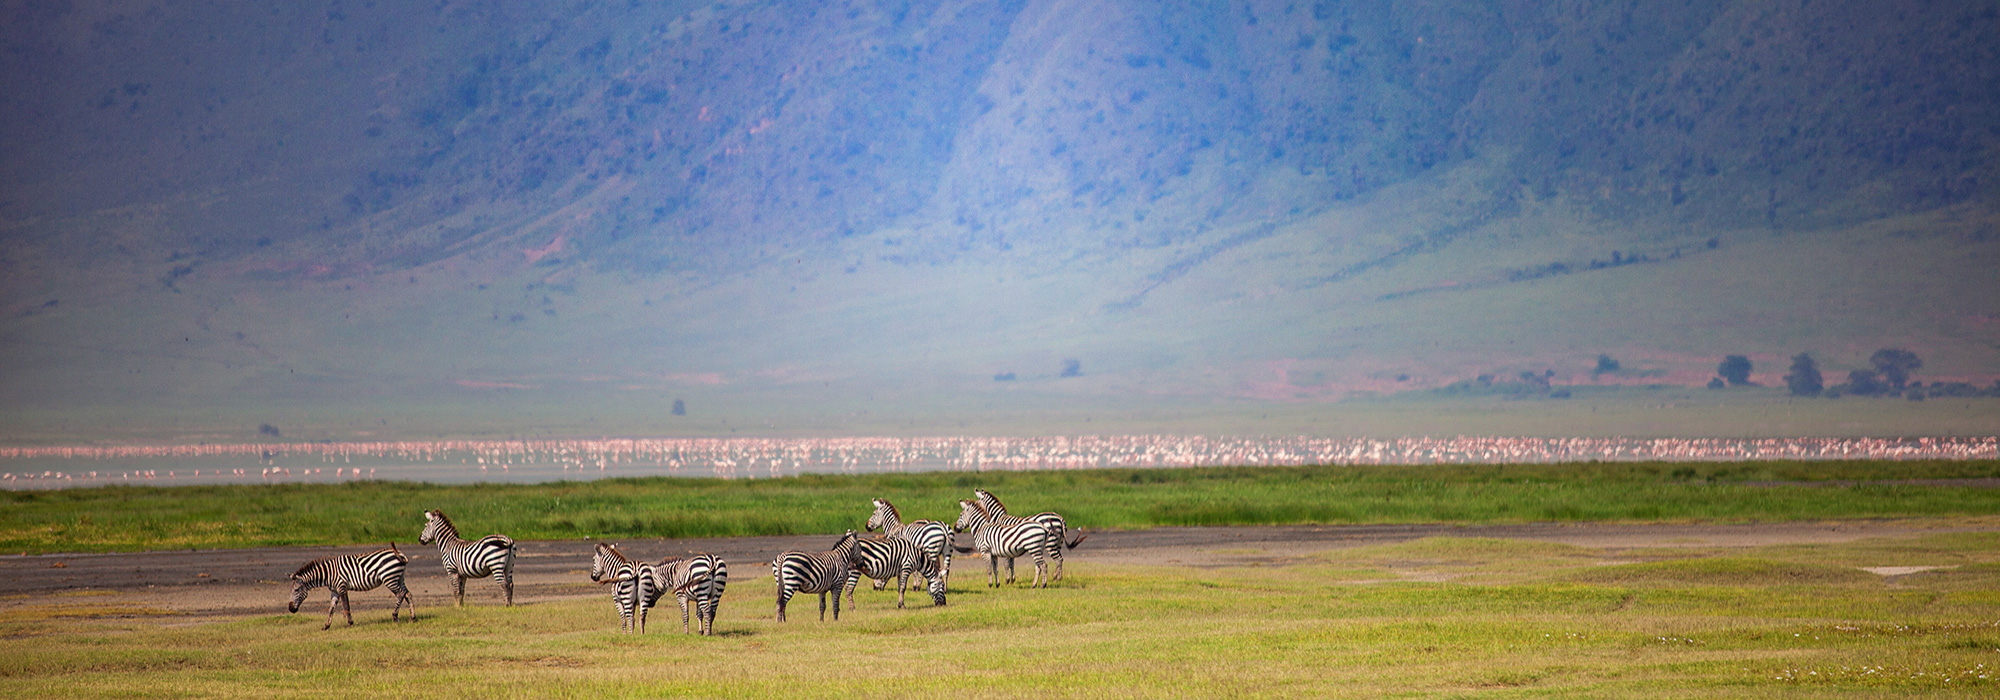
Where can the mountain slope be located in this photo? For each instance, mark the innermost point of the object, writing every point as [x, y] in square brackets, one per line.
[402, 204]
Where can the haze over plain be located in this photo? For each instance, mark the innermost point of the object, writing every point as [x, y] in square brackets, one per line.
[351, 219]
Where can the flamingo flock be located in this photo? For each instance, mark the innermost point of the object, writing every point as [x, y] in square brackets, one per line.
[523, 460]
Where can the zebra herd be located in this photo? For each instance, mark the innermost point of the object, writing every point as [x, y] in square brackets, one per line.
[921, 548]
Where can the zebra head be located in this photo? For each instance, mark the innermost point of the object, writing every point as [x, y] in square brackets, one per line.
[301, 583]
[606, 561]
[937, 589]
[970, 515]
[299, 589]
[436, 526]
[884, 513]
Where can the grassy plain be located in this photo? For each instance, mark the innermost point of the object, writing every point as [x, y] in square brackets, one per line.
[121, 518]
[1439, 617]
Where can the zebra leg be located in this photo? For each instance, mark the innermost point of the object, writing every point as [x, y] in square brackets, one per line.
[330, 605]
[506, 580]
[836, 606]
[458, 588]
[707, 612]
[992, 571]
[684, 611]
[402, 596]
[1041, 569]
[1010, 569]
[347, 606]
[853, 582]
[902, 586]
[783, 597]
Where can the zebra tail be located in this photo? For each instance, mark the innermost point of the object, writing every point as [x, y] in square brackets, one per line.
[1080, 537]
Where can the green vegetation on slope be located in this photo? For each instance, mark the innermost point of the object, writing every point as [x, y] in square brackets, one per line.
[137, 518]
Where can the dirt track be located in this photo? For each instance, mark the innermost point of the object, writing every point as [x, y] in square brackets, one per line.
[228, 583]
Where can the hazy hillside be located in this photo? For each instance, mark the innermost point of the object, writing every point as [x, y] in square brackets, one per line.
[370, 207]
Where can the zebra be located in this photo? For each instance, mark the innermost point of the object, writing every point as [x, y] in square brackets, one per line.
[998, 540]
[354, 572]
[928, 535]
[637, 585]
[813, 572]
[696, 578]
[884, 558]
[1055, 523]
[492, 555]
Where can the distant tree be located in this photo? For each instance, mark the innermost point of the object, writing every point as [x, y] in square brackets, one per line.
[680, 407]
[1895, 365]
[1804, 379]
[269, 430]
[1604, 364]
[1865, 382]
[1072, 368]
[1715, 382]
[1735, 369]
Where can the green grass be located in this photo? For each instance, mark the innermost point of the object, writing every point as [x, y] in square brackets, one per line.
[123, 518]
[1541, 620]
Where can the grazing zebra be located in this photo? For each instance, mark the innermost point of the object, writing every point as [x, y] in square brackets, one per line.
[884, 558]
[928, 535]
[1058, 528]
[637, 585]
[813, 572]
[696, 578]
[354, 572]
[492, 555]
[998, 540]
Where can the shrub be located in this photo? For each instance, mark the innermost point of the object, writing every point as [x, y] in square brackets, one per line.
[1895, 365]
[1604, 364]
[1804, 379]
[1735, 369]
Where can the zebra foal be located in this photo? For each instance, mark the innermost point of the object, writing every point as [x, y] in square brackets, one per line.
[930, 536]
[697, 578]
[884, 558]
[492, 555]
[1058, 528]
[998, 540]
[637, 585]
[343, 573]
[813, 572]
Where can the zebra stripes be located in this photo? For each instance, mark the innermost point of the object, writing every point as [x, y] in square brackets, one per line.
[1058, 528]
[813, 572]
[354, 572]
[929, 536]
[637, 585]
[697, 578]
[884, 558]
[492, 555]
[1006, 540]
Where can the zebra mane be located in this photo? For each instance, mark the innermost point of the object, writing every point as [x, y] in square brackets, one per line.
[614, 551]
[884, 504]
[443, 518]
[309, 566]
[985, 495]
